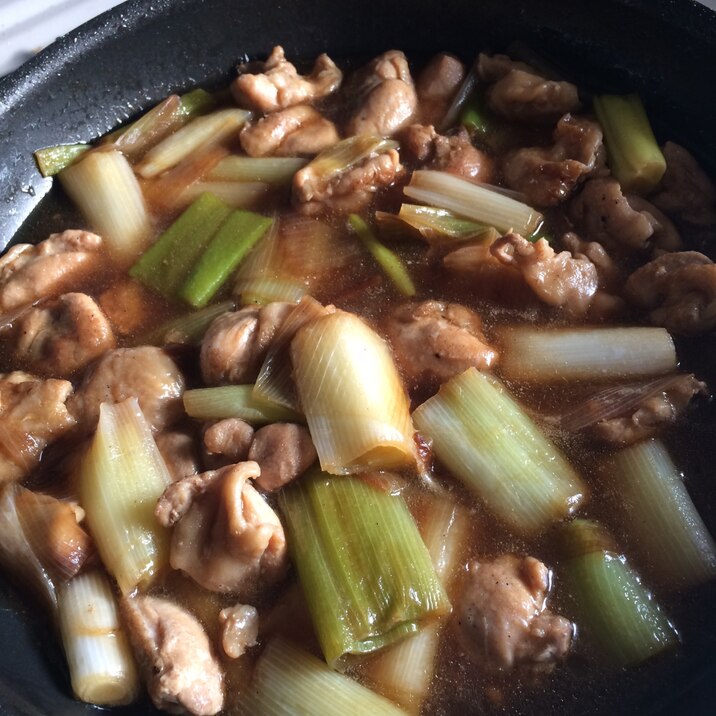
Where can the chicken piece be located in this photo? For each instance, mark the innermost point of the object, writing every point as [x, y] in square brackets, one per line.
[235, 345]
[33, 413]
[239, 629]
[179, 450]
[679, 291]
[437, 85]
[665, 236]
[556, 279]
[348, 191]
[230, 438]
[146, 373]
[385, 95]
[29, 272]
[519, 93]
[296, 131]
[652, 413]
[182, 673]
[280, 86]
[61, 336]
[434, 340]
[685, 191]
[548, 175]
[129, 305]
[610, 274]
[284, 451]
[502, 621]
[226, 537]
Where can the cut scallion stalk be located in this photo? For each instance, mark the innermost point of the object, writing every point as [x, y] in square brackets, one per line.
[235, 401]
[666, 528]
[52, 160]
[473, 201]
[388, 260]
[268, 170]
[236, 194]
[489, 443]
[236, 237]
[348, 153]
[632, 152]
[196, 102]
[360, 556]
[289, 681]
[440, 225]
[612, 607]
[189, 328]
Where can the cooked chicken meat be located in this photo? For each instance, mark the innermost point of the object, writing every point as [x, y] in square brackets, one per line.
[437, 85]
[501, 618]
[182, 672]
[239, 629]
[230, 438]
[179, 450]
[225, 536]
[280, 86]
[284, 451]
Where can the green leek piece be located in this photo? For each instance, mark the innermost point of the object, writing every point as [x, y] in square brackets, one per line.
[612, 607]
[360, 556]
[434, 223]
[289, 681]
[632, 152]
[189, 328]
[165, 265]
[269, 170]
[235, 401]
[196, 102]
[481, 122]
[388, 260]
[52, 160]
[236, 237]
[489, 443]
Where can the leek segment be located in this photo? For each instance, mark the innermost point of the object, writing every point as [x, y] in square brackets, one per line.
[269, 170]
[614, 609]
[440, 225]
[235, 401]
[122, 477]
[632, 152]
[353, 398]
[667, 529]
[52, 160]
[289, 681]
[189, 328]
[360, 556]
[488, 442]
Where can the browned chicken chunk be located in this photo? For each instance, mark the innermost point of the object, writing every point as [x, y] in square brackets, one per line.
[292, 132]
[437, 85]
[61, 336]
[284, 451]
[678, 290]
[519, 93]
[230, 438]
[182, 673]
[33, 413]
[434, 340]
[501, 617]
[225, 536]
[548, 175]
[280, 86]
[239, 629]
[235, 345]
[180, 453]
[385, 94]
[30, 272]
[146, 373]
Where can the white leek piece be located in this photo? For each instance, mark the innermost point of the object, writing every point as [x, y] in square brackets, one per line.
[123, 475]
[353, 398]
[100, 660]
[236, 194]
[488, 442]
[235, 401]
[103, 186]
[269, 170]
[289, 681]
[212, 128]
[538, 354]
[473, 201]
[661, 517]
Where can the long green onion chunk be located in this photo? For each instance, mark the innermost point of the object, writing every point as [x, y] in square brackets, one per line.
[479, 120]
[632, 152]
[289, 681]
[473, 201]
[52, 160]
[348, 153]
[235, 401]
[488, 442]
[269, 170]
[438, 226]
[123, 475]
[237, 195]
[196, 102]
[166, 264]
[360, 556]
[667, 529]
[232, 242]
[611, 605]
[388, 260]
[188, 328]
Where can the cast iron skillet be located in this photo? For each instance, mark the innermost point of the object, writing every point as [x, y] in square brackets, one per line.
[95, 78]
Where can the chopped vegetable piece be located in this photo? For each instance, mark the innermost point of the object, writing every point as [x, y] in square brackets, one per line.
[440, 225]
[348, 153]
[270, 170]
[235, 401]
[189, 328]
[236, 194]
[52, 160]
[632, 152]
[360, 556]
[388, 260]
[196, 102]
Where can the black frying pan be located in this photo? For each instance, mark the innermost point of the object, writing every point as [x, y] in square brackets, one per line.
[95, 78]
